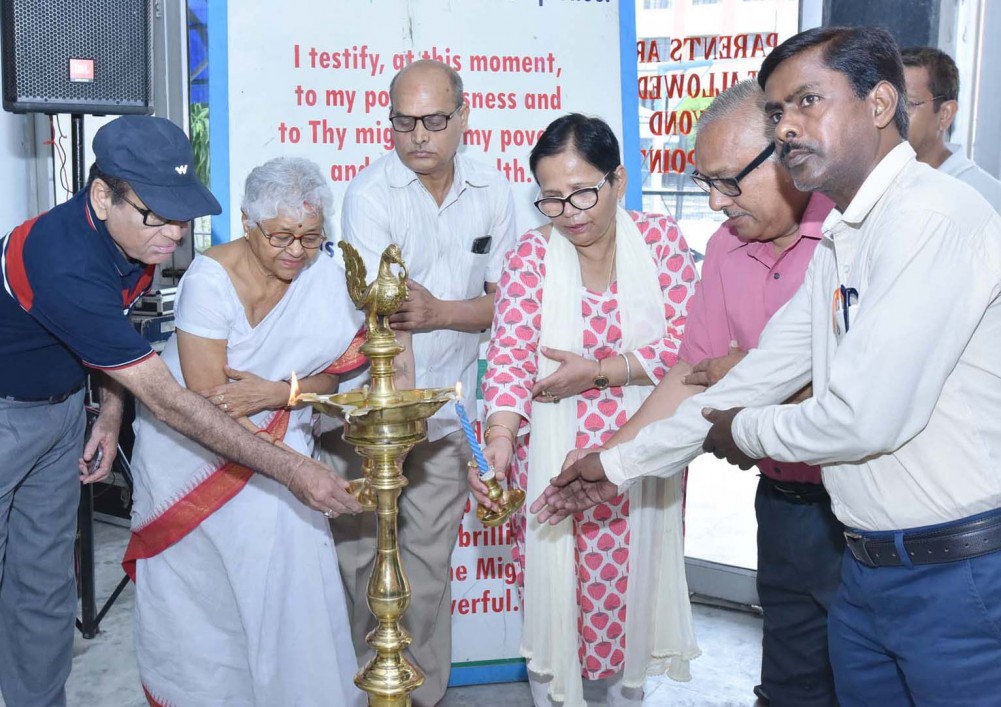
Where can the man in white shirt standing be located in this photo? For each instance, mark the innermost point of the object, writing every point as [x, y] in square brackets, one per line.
[897, 326]
[454, 222]
[932, 81]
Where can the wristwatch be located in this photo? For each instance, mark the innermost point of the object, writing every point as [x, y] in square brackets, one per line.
[600, 380]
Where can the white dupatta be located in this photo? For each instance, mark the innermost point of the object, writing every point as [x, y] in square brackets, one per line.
[660, 637]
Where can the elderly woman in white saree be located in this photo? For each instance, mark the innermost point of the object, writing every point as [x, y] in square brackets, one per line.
[238, 596]
[590, 312]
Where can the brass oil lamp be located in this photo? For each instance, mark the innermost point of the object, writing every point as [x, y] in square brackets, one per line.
[383, 424]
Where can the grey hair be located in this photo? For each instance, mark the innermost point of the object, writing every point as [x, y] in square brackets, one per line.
[454, 80]
[287, 186]
[746, 98]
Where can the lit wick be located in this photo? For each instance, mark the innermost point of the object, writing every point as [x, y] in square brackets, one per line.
[293, 390]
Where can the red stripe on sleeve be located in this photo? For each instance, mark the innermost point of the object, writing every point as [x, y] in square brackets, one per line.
[120, 366]
[17, 274]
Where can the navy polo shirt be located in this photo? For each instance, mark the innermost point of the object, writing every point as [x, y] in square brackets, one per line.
[67, 291]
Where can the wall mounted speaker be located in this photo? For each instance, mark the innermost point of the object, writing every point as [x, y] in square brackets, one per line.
[77, 56]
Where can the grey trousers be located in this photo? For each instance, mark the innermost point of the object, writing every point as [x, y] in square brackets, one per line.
[39, 494]
[431, 508]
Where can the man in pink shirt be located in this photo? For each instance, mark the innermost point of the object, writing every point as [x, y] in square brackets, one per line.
[754, 263]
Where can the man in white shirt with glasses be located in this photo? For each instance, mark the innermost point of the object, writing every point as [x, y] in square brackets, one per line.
[454, 222]
[932, 81]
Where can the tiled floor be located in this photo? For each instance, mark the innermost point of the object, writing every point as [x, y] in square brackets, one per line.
[105, 673]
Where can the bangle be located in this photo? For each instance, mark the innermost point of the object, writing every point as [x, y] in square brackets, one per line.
[490, 428]
[629, 369]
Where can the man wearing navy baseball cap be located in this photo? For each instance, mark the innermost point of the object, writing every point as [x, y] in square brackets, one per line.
[70, 275]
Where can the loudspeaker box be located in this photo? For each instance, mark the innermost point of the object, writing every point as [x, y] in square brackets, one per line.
[76, 56]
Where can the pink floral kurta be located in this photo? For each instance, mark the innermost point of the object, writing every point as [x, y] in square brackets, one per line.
[602, 532]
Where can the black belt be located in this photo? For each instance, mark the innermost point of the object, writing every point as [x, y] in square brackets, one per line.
[51, 400]
[980, 535]
[796, 492]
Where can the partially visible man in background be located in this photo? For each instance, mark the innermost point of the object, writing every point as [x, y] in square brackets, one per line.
[932, 102]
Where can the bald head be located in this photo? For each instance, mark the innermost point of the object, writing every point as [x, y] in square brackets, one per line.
[428, 72]
[743, 104]
[732, 133]
[419, 91]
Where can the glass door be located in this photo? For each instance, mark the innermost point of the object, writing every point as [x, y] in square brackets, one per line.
[689, 51]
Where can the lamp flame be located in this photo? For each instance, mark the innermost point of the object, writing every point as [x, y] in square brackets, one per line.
[293, 392]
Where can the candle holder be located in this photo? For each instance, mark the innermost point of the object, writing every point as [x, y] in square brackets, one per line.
[383, 424]
[510, 500]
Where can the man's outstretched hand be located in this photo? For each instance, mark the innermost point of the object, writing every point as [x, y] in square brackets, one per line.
[720, 443]
[579, 486]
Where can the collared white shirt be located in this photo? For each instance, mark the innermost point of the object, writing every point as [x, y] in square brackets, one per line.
[386, 203]
[962, 167]
[906, 413]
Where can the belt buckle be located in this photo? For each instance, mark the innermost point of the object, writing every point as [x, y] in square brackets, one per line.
[856, 544]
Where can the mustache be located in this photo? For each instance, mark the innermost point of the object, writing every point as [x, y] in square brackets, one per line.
[790, 146]
[733, 213]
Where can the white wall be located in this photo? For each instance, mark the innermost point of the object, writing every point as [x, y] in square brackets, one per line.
[17, 170]
[985, 145]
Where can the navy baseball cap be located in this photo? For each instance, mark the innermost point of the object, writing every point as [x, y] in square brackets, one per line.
[155, 157]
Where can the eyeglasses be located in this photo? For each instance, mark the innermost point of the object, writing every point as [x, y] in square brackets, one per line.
[730, 186]
[914, 105]
[283, 239]
[583, 199]
[149, 218]
[435, 122]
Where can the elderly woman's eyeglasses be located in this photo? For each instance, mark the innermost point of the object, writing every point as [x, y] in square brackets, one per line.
[435, 122]
[582, 199]
[283, 239]
[730, 186]
[149, 218]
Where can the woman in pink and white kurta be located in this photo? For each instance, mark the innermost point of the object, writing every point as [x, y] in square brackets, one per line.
[582, 333]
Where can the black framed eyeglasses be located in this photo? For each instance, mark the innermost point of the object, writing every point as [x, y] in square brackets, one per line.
[283, 239]
[730, 186]
[435, 122]
[912, 106]
[149, 218]
[582, 199]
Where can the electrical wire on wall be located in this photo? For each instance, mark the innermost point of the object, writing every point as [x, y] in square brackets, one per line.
[59, 156]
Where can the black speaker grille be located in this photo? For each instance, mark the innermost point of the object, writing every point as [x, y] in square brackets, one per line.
[40, 38]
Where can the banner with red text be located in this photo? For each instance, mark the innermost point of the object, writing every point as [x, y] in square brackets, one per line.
[311, 78]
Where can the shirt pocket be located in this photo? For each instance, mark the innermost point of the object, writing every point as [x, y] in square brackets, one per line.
[471, 270]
